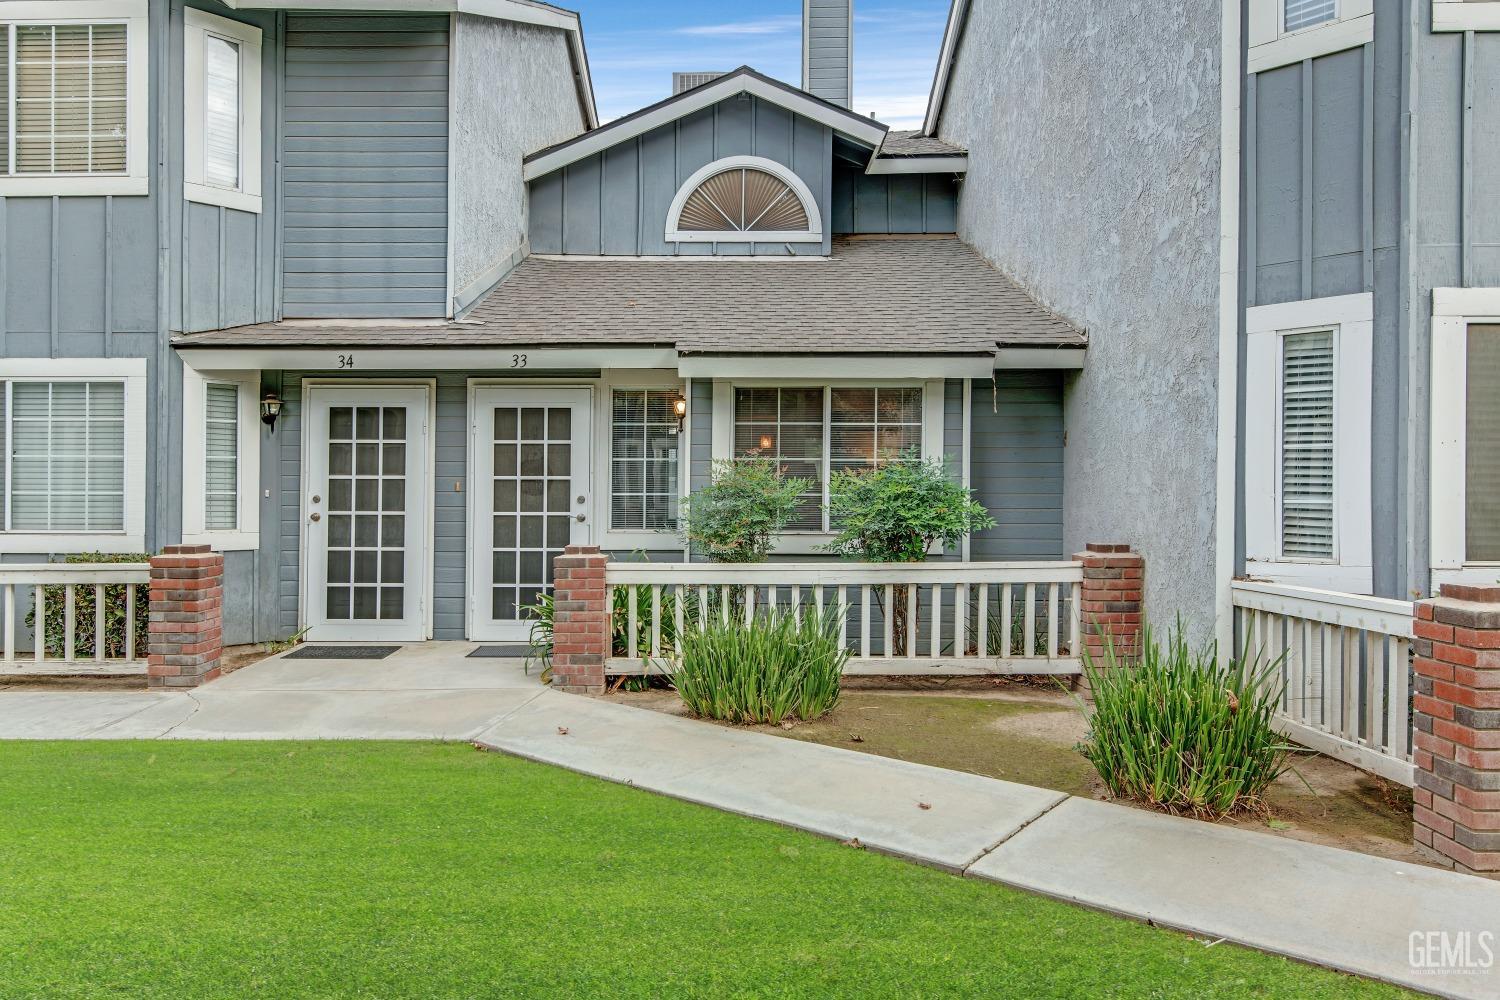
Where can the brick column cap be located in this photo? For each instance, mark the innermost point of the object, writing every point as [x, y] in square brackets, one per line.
[1472, 594]
[186, 550]
[581, 550]
[1106, 547]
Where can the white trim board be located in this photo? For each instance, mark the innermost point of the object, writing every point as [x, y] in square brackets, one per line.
[958, 16]
[378, 359]
[1458, 15]
[197, 27]
[1270, 46]
[1227, 431]
[132, 372]
[194, 414]
[790, 368]
[864, 130]
[1453, 309]
[1351, 319]
[918, 165]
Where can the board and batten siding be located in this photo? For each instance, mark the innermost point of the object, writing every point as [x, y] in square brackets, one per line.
[894, 203]
[616, 201]
[365, 168]
[1016, 464]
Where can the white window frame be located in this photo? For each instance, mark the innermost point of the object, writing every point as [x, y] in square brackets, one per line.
[640, 378]
[1456, 15]
[198, 26]
[1453, 311]
[194, 442]
[808, 542]
[136, 180]
[1270, 45]
[131, 372]
[813, 234]
[1351, 320]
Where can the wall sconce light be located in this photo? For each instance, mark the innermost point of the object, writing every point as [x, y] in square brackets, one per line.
[270, 409]
[679, 407]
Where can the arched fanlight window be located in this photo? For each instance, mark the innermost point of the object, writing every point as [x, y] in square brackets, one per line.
[744, 199]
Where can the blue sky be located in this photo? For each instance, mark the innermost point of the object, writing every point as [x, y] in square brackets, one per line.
[635, 45]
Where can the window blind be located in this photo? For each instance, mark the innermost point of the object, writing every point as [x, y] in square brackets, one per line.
[221, 112]
[69, 100]
[1301, 14]
[643, 454]
[1482, 446]
[5, 167]
[1307, 456]
[221, 457]
[67, 456]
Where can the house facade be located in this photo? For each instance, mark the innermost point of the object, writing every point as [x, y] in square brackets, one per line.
[467, 326]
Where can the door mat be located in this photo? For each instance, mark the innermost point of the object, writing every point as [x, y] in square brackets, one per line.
[517, 650]
[341, 652]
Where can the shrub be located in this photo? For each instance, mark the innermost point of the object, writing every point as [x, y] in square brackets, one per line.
[737, 516]
[772, 669]
[1174, 729]
[83, 611]
[896, 511]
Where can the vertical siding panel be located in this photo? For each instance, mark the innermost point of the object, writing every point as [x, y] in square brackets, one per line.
[1278, 185]
[1247, 267]
[1017, 455]
[658, 153]
[1305, 252]
[695, 147]
[904, 195]
[1367, 165]
[620, 201]
[79, 285]
[1335, 203]
[545, 221]
[581, 206]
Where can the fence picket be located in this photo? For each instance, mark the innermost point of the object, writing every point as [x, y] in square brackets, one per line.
[982, 621]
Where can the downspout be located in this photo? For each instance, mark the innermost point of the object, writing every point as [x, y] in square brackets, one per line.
[1230, 83]
[163, 388]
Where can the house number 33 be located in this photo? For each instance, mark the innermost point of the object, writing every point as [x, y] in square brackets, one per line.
[518, 361]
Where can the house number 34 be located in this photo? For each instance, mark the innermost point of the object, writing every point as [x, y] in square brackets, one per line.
[346, 361]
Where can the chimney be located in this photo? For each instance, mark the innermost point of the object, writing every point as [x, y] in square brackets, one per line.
[687, 81]
[828, 50]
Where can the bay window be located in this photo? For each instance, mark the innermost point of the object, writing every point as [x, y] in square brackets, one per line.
[73, 97]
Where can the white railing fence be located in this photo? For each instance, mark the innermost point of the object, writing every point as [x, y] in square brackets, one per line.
[1346, 669]
[92, 598]
[895, 618]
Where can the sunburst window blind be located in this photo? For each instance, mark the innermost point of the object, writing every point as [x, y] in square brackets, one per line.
[1307, 446]
[66, 451]
[743, 200]
[64, 99]
[221, 457]
[1482, 446]
[1299, 14]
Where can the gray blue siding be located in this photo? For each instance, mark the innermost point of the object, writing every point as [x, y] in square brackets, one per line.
[365, 179]
[894, 203]
[827, 65]
[1016, 447]
[616, 202]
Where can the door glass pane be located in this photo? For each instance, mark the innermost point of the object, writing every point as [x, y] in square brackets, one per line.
[533, 494]
[367, 495]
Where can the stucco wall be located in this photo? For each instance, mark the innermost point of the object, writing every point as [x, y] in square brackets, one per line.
[1093, 132]
[492, 63]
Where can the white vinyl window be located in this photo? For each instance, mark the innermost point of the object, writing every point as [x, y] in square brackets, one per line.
[222, 111]
[72, 97]
[814, 431]
[72, 443]
[1282, 32]
[1464, 493]
[1307, 443]
[644, 471]
[221, 458]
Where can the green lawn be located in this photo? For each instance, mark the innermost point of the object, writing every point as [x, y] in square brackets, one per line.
[386, 870]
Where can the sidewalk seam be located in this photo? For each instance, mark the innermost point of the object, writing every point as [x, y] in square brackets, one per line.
[1003, 840]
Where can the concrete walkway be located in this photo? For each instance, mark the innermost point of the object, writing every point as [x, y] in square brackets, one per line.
[1335, 908]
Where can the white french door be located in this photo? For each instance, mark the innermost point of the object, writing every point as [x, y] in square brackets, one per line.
[366, 496]
[529, 476]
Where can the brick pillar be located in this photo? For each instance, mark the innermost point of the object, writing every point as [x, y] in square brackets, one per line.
[581, 626]
[187, 616]
[1113, 582]
[1456, 718]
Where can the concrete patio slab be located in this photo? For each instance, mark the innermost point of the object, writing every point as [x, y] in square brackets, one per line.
[71, 715]
[837, 793]
[1336, 908]
[422, 667]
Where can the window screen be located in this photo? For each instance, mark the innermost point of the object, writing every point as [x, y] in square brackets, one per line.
[68, 108]
[643, 460]
[1307, 455]
[67, 456]
[1482, 446]
[221, 112]
[221, 457]
[1306, 13]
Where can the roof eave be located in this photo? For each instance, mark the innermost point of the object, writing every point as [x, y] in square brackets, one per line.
[958, 15]
[918, 165]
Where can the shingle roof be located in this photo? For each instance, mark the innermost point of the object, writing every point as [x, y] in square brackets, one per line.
[878, 295]
[912, 142]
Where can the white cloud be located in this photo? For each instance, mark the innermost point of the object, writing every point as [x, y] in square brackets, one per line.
[780, 25]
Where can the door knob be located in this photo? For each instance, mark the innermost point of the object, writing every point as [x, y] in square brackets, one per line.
[315, 516]
[581, 517]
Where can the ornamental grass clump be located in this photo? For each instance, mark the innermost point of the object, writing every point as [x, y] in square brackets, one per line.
[1174, 729]
[773, 669]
